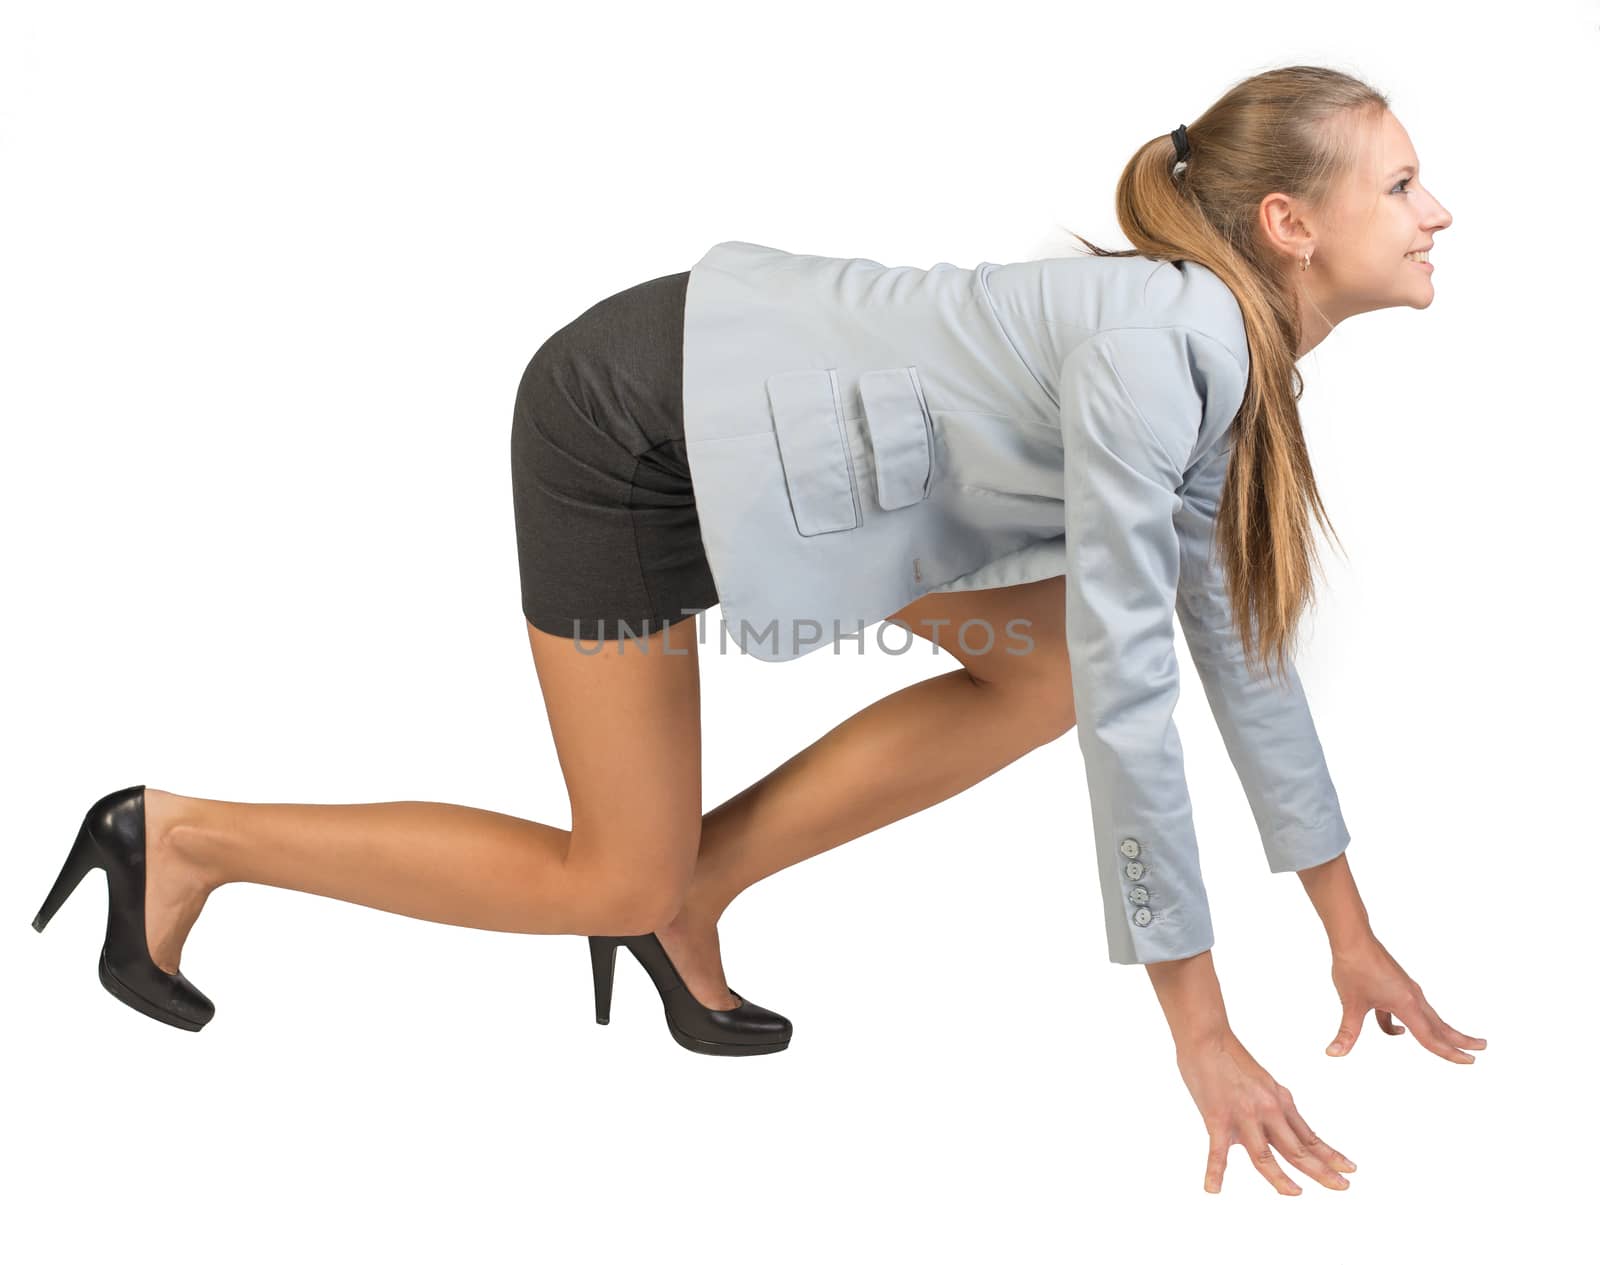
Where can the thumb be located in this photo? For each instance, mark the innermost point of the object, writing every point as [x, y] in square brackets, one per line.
[1349, 1030]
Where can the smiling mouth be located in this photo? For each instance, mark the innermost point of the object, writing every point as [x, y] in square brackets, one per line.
[1418, 257]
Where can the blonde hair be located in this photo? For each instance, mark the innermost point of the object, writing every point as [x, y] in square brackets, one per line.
[1294, 130]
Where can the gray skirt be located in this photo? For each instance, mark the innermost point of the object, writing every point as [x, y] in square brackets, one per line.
[608, 540]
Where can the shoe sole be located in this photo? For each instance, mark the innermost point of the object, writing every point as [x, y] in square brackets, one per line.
[722, 1047]
[124, 994]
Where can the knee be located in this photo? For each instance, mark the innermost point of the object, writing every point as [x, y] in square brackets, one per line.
[633, 911]
[628, 902]
[1042, 705]
[1058, 713]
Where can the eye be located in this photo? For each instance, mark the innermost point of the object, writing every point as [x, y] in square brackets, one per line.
[1402, 185]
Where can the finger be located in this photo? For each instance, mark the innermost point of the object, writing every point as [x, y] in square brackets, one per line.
[1300, 1154]
[1334, 1159]
[1349, 1030]
[1215, 1163]
[1430, 1038]
[1254, 1140]
[1441, 1043]
[1387, 1023]
[1455, 1038]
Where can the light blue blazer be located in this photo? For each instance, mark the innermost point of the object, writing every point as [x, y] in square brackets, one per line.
[859, 435]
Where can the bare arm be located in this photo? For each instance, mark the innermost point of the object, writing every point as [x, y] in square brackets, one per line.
[1191, 998]
[1189, 991]
[1332, 889]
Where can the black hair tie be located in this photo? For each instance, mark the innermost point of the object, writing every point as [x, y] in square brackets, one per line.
[1180, 142]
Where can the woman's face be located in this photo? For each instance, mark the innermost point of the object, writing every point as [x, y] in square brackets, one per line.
[1361, 258]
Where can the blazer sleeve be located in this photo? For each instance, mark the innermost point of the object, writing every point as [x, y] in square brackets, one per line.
[1132, 404]
[1265, 723]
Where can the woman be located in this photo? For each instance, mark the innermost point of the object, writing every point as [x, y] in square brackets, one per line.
[695, 439]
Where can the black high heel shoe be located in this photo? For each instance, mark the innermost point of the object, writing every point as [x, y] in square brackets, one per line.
[746, 1029]
[112, 838]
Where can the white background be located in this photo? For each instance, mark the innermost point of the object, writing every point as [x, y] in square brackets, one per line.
[272, 274]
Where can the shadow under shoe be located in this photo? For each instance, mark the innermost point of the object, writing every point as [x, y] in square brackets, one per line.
[745, 1029]
[112, 838]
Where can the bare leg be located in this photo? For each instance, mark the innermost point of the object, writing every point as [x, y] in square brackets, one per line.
[623, 869]
[887, 761]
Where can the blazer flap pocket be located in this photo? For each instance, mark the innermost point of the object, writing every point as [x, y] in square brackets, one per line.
[902, 445]
[811, 446]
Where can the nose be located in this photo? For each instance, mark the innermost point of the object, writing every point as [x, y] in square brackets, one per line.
[1441, 218]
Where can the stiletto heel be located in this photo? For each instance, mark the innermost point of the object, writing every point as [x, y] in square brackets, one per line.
[746, 1029]
[603, 957]
[80, 860]
[112, 838]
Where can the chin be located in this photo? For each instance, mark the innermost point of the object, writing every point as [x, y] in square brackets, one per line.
[1417, 294]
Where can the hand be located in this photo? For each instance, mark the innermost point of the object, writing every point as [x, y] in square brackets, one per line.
[1367, 978]
[1241, 1103]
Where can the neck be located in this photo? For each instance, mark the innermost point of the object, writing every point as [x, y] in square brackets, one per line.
[1317, 318]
